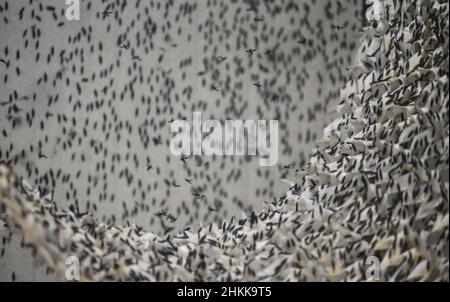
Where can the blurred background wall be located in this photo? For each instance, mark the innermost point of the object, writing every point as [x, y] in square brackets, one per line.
[86, 105]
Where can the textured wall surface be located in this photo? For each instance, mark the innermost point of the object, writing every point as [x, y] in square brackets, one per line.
[86, 105]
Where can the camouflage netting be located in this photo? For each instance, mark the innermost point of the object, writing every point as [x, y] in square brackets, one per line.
[377, 185]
